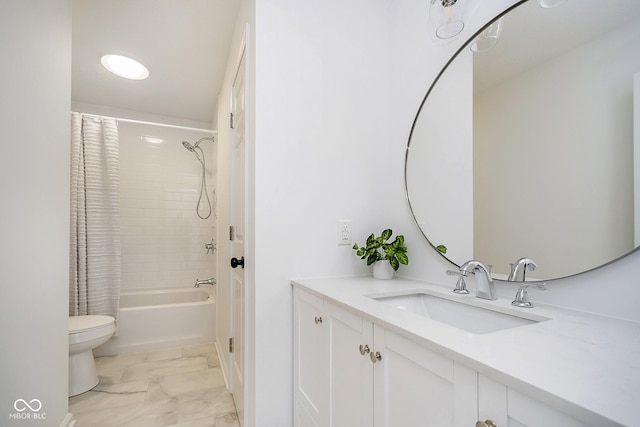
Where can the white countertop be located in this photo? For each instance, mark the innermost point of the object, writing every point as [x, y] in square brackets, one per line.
[574, 361]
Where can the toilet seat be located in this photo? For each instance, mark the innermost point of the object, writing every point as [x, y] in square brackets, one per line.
[84, 328]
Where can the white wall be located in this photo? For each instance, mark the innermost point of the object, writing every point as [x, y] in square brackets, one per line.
[323, 152]
[163, 240]
[35, 83]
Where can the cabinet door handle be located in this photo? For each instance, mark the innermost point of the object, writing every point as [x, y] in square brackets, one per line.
[364, 349]
[375, 357]
[318, 320]
[485, 423]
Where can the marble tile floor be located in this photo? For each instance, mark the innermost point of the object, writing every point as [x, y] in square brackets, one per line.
[174, 387]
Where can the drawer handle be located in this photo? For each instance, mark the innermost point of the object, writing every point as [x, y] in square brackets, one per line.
[375, 357]
[364, 349]
[485, 423]
[318, 320]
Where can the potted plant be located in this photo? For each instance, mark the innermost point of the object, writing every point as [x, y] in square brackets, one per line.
[379, 249]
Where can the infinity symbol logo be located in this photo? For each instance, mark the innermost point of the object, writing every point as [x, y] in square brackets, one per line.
[21, 405]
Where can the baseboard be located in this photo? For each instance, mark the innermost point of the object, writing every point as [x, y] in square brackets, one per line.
[223, 364]
[68, 421]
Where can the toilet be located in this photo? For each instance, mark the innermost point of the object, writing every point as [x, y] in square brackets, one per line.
[85, 334]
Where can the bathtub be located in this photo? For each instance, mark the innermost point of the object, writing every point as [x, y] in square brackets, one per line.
[161, 318]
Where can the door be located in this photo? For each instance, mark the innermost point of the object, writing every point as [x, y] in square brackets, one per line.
[508, 407]
[351, 369]
[237, 237]
[636, 156]
[415, 386]
[311, 360]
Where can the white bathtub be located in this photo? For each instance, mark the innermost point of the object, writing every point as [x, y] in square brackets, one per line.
[162, 318]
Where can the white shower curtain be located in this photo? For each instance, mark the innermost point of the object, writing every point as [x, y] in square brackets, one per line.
[95, 264]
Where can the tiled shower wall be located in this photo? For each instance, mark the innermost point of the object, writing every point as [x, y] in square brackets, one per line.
[163, 240]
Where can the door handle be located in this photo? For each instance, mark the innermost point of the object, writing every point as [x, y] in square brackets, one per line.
[235, 262]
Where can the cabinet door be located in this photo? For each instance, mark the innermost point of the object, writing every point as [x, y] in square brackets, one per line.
[415, 386]
[351, 371]
[302, 418]
[311, 357]
[508, 407]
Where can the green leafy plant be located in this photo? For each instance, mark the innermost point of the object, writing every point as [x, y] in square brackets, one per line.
[378, 249]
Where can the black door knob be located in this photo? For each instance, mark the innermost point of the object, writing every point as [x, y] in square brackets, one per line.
[235, 262]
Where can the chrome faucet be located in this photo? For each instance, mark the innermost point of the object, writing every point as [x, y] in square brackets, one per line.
[521, 263]
[199, 282]
[484, 283]
[461, 286]
[522, 298]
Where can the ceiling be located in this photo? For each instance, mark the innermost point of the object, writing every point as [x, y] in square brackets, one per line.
[183, 43]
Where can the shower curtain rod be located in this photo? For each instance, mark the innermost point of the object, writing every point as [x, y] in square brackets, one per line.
[142, 122]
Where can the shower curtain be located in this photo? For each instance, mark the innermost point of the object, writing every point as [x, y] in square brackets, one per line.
[95, 265]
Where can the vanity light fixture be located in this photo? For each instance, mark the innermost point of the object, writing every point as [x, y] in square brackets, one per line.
[488, 37]
[445, 17]
[125, 67]
[550, 3]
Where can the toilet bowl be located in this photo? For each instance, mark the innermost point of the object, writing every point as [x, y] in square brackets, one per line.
[85, 334]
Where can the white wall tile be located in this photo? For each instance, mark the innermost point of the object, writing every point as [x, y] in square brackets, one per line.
[162, 237]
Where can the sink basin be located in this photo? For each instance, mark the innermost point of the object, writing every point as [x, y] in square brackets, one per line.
[462, 315]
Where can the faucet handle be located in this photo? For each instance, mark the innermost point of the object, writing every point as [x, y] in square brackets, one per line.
[522, 298]
[461, 286]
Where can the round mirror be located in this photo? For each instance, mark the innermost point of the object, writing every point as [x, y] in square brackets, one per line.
[526, 148]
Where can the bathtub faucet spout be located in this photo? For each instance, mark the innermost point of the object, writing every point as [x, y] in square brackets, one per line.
[199, 282]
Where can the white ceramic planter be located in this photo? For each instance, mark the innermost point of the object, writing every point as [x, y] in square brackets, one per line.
[383, 270]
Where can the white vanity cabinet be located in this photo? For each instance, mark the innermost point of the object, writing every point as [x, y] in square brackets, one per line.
[414, 386]
[360, 361]
[508, 407]
[349, 371]
[333, 379]
[311, 360]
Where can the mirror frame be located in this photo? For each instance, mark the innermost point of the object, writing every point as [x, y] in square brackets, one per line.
[464, 46]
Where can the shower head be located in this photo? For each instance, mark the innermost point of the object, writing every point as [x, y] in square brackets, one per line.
[189, 146]
[193, 147]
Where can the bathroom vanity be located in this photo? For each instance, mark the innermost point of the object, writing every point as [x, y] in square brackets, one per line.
[366, 355]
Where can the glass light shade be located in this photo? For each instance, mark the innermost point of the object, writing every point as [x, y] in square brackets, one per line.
[550, 3]
[488, 37]
[125, 67]
[445, 17]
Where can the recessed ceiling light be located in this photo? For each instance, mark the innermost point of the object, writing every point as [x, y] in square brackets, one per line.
[125, 67]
